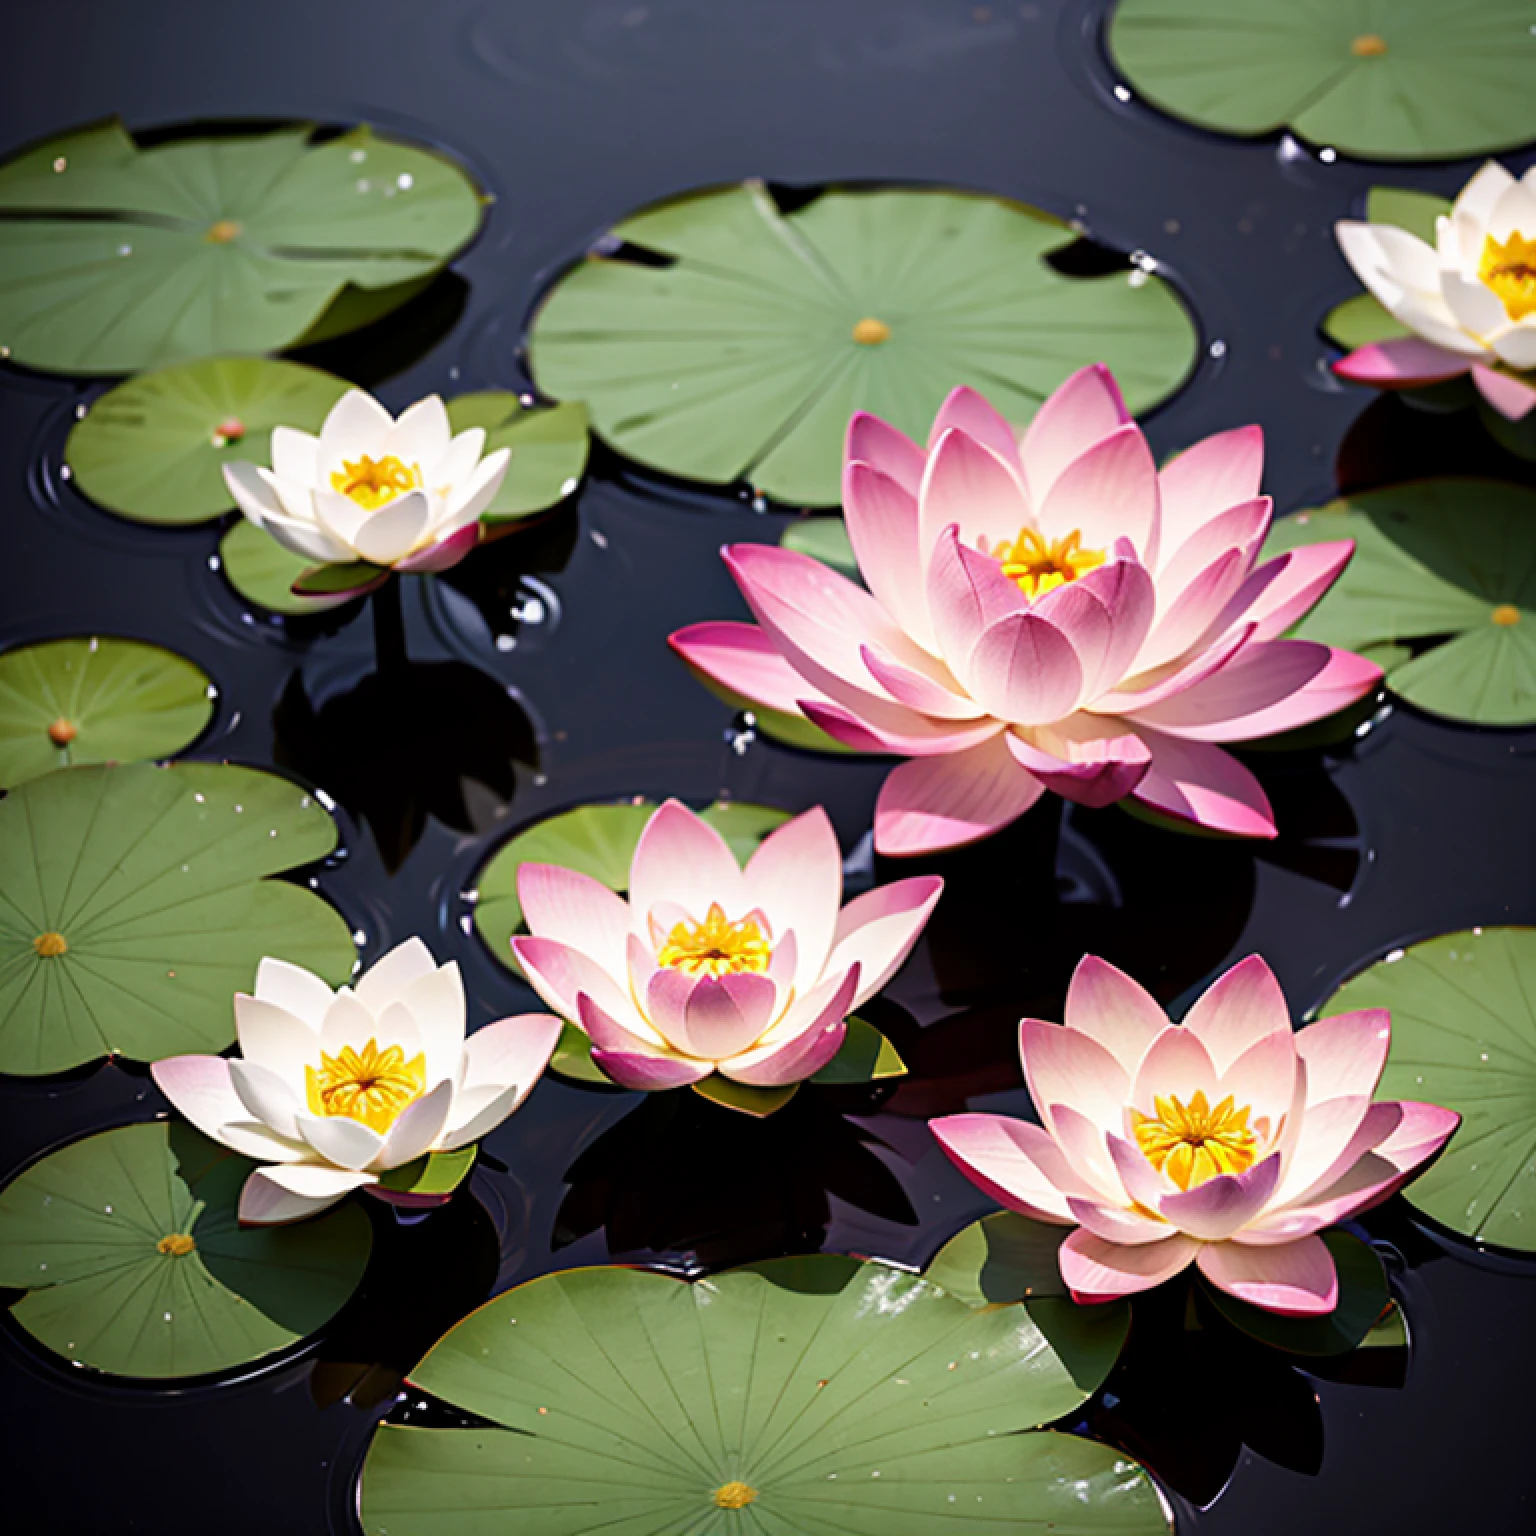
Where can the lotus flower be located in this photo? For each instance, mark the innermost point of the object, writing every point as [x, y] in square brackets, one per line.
[1470, 301]
[1046, 613]
[402, 494]
[332, 1089]
[709, 967]
[1227, 1141]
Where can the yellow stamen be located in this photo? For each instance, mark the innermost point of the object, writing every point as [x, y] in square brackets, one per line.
[1368, 46]
[1505, 615]
[734, 1495]
[870, 332]
[1193, 1142]
[223, 231]
[371, 1086]
[1039, 566]
[176, 1245]
[716, 947]
[50, 945]
[62, 732]
[1510, 270]
[374, 483]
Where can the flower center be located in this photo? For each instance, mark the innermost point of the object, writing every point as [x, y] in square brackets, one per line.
[1369, 45]
[734, 1495]
[716, 947]
[369, 1085]
[50, 945]
[374, 483]
[1505, 615]
[1040, 565]
[62, 732]
[1510, 270]
[176, 1245]
[870, 332]
[1193, 1142]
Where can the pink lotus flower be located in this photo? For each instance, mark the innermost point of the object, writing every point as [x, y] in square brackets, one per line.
[709, 967]
[1470, 300]
[1046, 613]
[1227, 1141]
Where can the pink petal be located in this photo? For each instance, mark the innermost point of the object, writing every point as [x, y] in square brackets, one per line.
[969, 486]
[1024, 670]
[973, 414]
[1334, 1135]
[881, 518]
[744, 661]
[200, 1089]
[1084, 1143]
[795, 878]
[1214, 1210]
[967, 592]
[510, 1053]
[1404, 362]
[1108, 493]
[1078, 414]
[1263, 1078]
[1098, 1271]
[1512, 398]
[935, 803]
[1104, 1004]
[919, 690]
[808, 1036]
[1064, 1067]
[1143, 1183]
[1295, 1280]
[918, 736]
[1117, 1224]
[1345, 1055]
[876, 931]
[650, 1074]
[1095, 767]
[606, 1033]
[1238, 1010]
[681, 858]
[1199, 783]
[1367, 1183]
[443, 555]
[1202, 482]
[1193, 612]
[1013, 1161]
[1283, 590]
[880, 445]
[576, 910]
[560, 975]
[710, 1017]
[1421, 1132]
[1241, 527]
[1175, 1063]
[1172, 680]
[1125, 588]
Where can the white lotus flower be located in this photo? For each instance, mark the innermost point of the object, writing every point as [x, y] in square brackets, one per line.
[1471, 298]
[331, 1089]
[405, 494]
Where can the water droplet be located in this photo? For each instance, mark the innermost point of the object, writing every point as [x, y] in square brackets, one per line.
[1218, 348]
[107, 1209]
[61, 165]
[167, 1317]
[1123, 93]
[358, 936]
[1327, 156]
[65, 472]
[125, 250]
[600, 539]
[506, 643]
[405, 181]
[200, 797]
[358, 156]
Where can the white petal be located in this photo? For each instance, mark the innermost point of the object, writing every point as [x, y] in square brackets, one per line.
[267, 1097]
[422, 433]
[294, 455]
[418, 1128]
[1477, 200]
[395, 530]
[1517, 346]
[457, 464]
[274, 1038]
[436, 1002]
[301, 992]
[387, 978]
[357, 424]
[270, 1195]
[342, 1141]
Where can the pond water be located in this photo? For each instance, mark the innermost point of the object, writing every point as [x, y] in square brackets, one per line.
[540, 679]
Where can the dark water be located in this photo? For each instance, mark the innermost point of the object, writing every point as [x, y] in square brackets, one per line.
[574, 113]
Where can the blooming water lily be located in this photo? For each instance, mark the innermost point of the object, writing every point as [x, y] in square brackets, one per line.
[709, 967]
[1470, 299]
[403, 494]
[1228, 1141]
[333, 1089]
[1044, 611]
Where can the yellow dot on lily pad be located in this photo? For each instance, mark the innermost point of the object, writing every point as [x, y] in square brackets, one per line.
[176, 1245]
[870, 332]
[1369, 45]
[222, 231]
[62, 732]
[50, 945]
[734, 1495]
[1505, 615]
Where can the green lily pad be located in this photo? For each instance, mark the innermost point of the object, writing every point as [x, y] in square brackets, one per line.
[1363, 1303]
[1447, 567]
[82, 1233]
[134, 908]
[96, 701]
[743, 358]
[573, 1058]
[549, 449]
[116, 258]
[824, 539]
[1417, 212]
[1413, 80]
[865, 1056]
[344, 580]
[263, 572]
[595, 840]
[154, 448]
[432, 1177]
[820, 1397]
[1464, 1035]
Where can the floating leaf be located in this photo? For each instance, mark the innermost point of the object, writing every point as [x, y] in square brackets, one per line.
[116, 258]
[548, 443]
[745, 1098]
[744, 356]
[1413, 80]
[134, 908]
[1464, 1035]
[816, 1396]
[95, 701]
[427, 1181]
[865, 1056]
[595, 840]
[573, 1058]
[154, 448]
[134, 1261]
[1417, 212]
[263, 572]
[1447, 567]
[825, 539]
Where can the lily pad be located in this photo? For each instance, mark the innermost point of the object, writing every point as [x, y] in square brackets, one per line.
[824, 539]
[817, 1396]
[549, 449]
[1464, 1035]
[154, 448]
[427, 1181]
[263, 572]
[865, 1056]
[595, 840]
[1413, 80]
[1447, 568]
[743, 355]
[116, 258]
[96, 701]
[134, 1262]
[134, 908]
